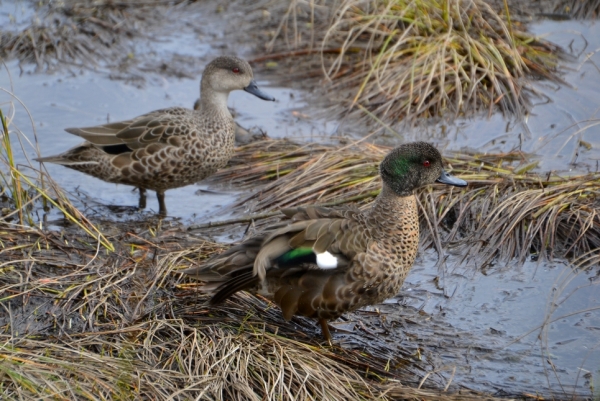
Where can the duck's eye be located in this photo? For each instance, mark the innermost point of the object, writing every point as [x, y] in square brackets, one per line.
[235, 70]
[426, 163]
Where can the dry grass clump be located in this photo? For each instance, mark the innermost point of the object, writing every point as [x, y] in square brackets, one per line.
[79, 323]
[506, 211]
[82, 33]
[581, 9]
[23, 187]
[418, 58]
[38, 369]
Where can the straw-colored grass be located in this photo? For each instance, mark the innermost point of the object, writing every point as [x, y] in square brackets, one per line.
[85, 315]
[78, 322]
[581, 9]
[81, 324]
[87, 34]
[24, 187]
[402, 59]
[506, 212]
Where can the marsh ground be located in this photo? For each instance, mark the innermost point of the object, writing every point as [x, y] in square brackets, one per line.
[511, 328]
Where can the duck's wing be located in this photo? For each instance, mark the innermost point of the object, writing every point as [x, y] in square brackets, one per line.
[316, 237]
[311, 239]
[156, 126]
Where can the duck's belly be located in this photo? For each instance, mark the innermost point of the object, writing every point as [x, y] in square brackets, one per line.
[327, 295]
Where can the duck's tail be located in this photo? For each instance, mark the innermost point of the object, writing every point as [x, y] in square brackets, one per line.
[64, 161]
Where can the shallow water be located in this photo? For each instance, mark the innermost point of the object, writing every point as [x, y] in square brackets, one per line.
[63, 100]
[500, 327]
[508, 323]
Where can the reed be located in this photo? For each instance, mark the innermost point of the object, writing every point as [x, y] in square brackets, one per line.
[28, 189]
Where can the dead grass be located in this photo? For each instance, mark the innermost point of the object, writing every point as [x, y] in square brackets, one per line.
[506, 212]
[580, 9]
[85, 34]
[403, 59]
[82, 324]
[87, 315]
[25, 188]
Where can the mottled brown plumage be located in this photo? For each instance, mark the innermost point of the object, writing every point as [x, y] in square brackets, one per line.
[370, 253]
[166, 148]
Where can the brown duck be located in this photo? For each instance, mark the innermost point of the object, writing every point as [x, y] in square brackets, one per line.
[323, 262]
[168, 148]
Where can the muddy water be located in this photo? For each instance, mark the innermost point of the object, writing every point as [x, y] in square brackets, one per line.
[518, 328]
[515, 328]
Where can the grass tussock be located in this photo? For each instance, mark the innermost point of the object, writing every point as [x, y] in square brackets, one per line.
[82, 324]
[580, 9]
[25, 189]
[403, 59]
[81, 33]
[506, 212]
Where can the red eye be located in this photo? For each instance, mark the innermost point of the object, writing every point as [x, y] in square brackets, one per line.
[426, 163]
[235, 70]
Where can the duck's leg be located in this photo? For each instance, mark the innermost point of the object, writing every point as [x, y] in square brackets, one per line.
[325, 330]
[162, 208]
[142, 202]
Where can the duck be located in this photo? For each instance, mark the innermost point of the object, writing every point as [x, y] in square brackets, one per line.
[167, 148]
[322, 262]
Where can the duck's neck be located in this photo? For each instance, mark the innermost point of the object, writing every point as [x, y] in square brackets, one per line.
[391, 212]
[214, 102]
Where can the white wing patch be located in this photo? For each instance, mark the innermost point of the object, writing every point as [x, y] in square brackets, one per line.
[326, 260]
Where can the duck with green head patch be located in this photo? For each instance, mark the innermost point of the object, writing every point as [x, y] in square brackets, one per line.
[322, 262]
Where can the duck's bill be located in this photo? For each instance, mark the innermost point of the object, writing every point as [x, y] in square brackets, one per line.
[253, 88]
[448, 179]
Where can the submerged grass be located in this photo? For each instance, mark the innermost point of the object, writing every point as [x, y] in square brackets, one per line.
[403, 59]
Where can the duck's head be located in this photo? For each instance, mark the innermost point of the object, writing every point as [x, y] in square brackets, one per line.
[413, 165]
[227, 73]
